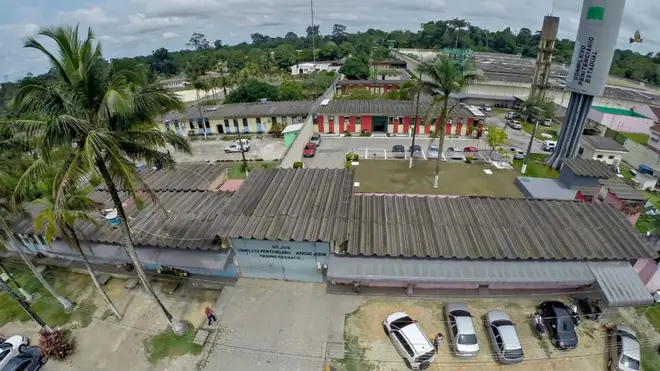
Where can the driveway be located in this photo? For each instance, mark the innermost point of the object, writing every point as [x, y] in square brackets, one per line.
[277, 325]
[266, 148]
[517, 138]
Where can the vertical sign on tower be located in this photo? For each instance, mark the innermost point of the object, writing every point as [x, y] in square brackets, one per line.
[594, 46]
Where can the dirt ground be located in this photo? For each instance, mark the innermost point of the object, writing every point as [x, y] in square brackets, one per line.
[377, 352]
[106, 344]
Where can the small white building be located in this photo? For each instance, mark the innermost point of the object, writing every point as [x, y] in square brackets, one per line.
[595, 147]
[308, 67]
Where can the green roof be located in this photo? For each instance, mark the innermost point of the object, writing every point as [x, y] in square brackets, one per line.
[618, 112]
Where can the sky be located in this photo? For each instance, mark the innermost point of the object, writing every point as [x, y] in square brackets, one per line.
[137, 27]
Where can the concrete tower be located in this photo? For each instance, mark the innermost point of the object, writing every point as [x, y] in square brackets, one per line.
[544, 56]
[600, 21]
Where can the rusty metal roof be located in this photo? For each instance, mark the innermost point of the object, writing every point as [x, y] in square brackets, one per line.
[589, 168]
[491, 228]
[290, 205]
[185, 177]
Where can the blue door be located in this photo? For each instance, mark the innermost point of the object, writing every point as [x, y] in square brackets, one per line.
[260, 128]
[281, 260]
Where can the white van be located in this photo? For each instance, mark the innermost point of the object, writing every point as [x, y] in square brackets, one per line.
[549, 145]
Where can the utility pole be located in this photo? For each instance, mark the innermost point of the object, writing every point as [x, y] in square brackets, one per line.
[11, 278]
[23, 304]
[240, 143]
[529, 147]
[314, 72]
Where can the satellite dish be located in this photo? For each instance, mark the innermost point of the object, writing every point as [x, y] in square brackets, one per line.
[637, 38]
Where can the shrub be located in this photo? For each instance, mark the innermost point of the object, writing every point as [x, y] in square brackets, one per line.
[356, 157]
[347, 165]
[298, 165]
[258, 159]
[346, 133]
[56, 344]
[432, 133]
[349, 156]
[468, 159]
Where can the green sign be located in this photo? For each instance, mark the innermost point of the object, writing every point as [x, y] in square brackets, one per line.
[596, 13]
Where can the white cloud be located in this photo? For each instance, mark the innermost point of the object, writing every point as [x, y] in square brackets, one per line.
[170, 35]
[93, 16]
[139, 23]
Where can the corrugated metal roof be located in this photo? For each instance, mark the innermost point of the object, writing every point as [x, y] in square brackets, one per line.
[604, 143]
[623, 191]
[480, 272]
[490, 228]
[620, 284]
[291, 204]
[192, 221]
[588, 167]
[184, 177]
[240, 110]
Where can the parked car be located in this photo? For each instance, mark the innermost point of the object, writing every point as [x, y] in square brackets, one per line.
[559, 323]
[236, 146]
[409, 340]
[399, 151]
[12, 347]
[471, 149]
[516, 125]
[548, 145]
[623, 350]
[316, 139]
[309, 150]
[416, 151]
[517, 153]
[461, 330]
[504, 337]
[30, 360]
[547, 122]
[432, 151]
[456, 153]
[511, 116]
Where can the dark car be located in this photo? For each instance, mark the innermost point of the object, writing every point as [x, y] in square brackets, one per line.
[559, 323]
[30, 360]
[310, 150]
[416, 151]
[399, 151]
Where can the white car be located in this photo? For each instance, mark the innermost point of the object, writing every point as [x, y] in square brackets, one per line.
[409, 340]
[11, 348]
[461, 330]
[432, 151]
[456, 153]
[236, 146]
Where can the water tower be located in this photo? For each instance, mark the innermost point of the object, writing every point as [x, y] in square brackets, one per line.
[544, 56]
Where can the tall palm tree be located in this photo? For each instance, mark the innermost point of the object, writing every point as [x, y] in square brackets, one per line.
[61, 221]
[108, 112]
[446, 76]
[223, 79]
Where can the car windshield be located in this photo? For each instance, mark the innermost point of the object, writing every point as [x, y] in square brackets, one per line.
[433, 148]
[402, 322]
[398, 148]
[630, 363]
[6, 346]
[426, 356]
[315, 137]
[309, 146]
[467, 339]
[3, 354]
[513, 353]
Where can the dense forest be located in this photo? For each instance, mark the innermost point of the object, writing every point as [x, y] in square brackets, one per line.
[266, 55]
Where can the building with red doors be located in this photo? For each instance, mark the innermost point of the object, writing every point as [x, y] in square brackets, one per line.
[395, 117]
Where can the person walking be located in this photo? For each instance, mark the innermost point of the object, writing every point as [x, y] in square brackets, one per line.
[356, 287]
[210, 315]
[437, 341]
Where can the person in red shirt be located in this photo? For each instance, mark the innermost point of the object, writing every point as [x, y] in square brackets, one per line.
[210, 315]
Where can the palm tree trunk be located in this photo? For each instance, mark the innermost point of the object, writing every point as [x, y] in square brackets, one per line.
[75, 243]
[68, 306]
[441, 141]
[177, 327]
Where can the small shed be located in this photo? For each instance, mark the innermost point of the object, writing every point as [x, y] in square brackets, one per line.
[645, 181]
[290, 134]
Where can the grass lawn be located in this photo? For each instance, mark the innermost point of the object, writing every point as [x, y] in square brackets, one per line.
[552, 130]
[536, 167]
[235, 171]
[637, 137]
[650, 356]
[394, 176]
[67, 284]
[166, 344]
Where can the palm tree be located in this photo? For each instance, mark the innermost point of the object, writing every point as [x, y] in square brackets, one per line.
[446, 76]
[107, 111]
[223, 79]
[60, 221]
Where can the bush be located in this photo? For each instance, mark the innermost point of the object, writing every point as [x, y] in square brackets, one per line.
[365, 134]
[356, 157]
[298, 165]
[349, 156]
[258, 159]
[432, 133]
[57, 344]
[347, 165]
[468, 159]
[346, 133]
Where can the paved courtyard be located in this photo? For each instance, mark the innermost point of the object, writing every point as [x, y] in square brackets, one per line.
[266, 148]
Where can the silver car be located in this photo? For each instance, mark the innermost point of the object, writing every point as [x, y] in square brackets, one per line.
[432, 151]
[624, 350]
[316, 139]
[461, 330]
[504, 337]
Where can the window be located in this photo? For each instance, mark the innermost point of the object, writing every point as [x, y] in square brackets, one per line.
[176, 124]
[390, 120]
[167, 125]
[227, 123]
[347, 121]
[580, 151]
[283, 120]
[610, 157]
[599, 156]
[191, 122]
[654, 139]
[404, 343]
[236, 124]
[452, 324]
[207, 123]
[358, 119]
[273, 120]
[467, 339]
[258, 120]
[246, 128]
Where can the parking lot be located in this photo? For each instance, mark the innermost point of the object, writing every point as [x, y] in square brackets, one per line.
[266, 148]
[364, 336]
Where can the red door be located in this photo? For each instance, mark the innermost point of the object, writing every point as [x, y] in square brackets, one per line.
[331, 126]
[448, 129]
[459, 128]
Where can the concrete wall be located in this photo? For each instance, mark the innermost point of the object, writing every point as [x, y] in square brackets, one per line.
[627, 124]
[640, 155]
[608, 157]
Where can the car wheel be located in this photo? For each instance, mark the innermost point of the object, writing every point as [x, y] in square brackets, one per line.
[43, 360]
[22, 348]
[424, 365]
[387, 332]
[407, 362]
[609, 364]
[226, 151]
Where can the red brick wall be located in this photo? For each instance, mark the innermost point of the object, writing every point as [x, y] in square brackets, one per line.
[366, 123]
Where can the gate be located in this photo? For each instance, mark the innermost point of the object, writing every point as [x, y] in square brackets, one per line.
[282, 260]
